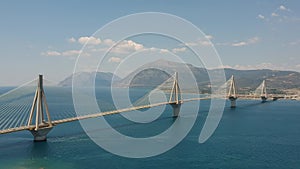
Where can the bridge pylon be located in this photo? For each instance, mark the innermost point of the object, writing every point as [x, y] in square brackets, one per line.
[263, 94]
[232, 93]
[175, 97]
[41, 126]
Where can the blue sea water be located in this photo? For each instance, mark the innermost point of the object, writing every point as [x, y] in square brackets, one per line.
[253, 135]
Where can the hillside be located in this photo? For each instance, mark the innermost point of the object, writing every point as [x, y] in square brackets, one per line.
[102, 79]
[155, 73]
[246, 80]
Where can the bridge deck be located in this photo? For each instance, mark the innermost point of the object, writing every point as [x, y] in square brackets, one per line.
[56, 122]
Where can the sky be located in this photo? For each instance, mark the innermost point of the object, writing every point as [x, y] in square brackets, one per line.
[47, 36]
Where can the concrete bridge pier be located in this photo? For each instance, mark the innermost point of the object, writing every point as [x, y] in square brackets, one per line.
[176, 109]
[41, 134]
[232, 101]
[263, 99]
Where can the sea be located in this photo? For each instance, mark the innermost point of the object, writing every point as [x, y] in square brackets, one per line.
[252, 135]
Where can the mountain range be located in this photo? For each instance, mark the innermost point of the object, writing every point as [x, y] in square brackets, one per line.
[84, 78]
[153, 74]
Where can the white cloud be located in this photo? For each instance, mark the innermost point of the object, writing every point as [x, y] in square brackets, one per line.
[247, 42]
[152, 49]
[71, 53]
[51, 53]
[261, 16]
[191, 44]
[124, 47]
[177, 50]
[108, 42]
[239, 44]
[274, 14]
[271, 66]
[115, 59]
[283, 8]
[164, 51]
[210, 37]
[72, 40]
[278, 15]
[205, 41]
[131, 45]
[258, 66]
[253, 40]
[297, 42]
[127, 46]
[199, 43]
[89, 40]
[65, 53]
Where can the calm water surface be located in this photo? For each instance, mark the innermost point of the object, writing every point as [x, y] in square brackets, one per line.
[253, 135]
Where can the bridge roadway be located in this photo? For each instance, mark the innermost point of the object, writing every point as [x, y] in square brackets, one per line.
[56, 122]
[274, 96]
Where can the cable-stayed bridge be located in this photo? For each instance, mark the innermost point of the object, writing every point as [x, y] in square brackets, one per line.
[26, 107]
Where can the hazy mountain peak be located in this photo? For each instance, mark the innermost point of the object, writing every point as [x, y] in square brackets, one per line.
[101, 78]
